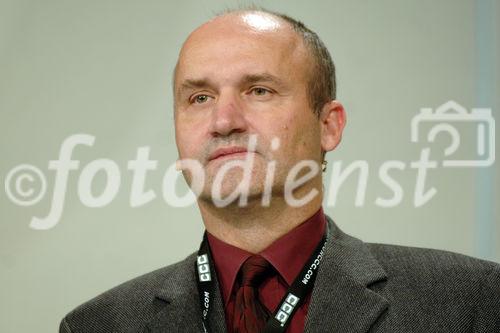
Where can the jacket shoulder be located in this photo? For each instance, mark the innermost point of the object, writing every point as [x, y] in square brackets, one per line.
[128, 306]
[423, 261]
[440, 284]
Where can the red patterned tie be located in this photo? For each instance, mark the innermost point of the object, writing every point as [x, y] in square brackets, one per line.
[250, 316]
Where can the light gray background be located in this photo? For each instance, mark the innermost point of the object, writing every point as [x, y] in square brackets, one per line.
[104, 68]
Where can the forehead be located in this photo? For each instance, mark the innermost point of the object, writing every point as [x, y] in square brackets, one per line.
[238, 44]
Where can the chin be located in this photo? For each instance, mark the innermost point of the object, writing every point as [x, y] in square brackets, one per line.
[253, 192]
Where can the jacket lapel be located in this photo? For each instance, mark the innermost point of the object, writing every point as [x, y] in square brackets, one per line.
[342, 300]
[178, 304]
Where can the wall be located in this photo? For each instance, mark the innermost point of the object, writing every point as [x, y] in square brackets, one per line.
[103, 68]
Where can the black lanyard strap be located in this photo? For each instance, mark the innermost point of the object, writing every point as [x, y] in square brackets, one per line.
[298, 291]
[203, 267]
[293, 299]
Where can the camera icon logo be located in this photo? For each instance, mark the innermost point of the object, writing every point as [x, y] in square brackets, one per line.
[445, 119]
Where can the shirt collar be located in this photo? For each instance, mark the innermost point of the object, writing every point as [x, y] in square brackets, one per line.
[288, 254]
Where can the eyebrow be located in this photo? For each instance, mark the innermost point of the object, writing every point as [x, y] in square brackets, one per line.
[189, 84]
[262, 77]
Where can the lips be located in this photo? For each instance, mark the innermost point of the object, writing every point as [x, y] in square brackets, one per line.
[221, 152]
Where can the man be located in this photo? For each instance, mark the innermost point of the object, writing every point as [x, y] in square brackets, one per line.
[254, 104]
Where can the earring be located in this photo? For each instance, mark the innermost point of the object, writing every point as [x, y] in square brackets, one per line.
[323, 165]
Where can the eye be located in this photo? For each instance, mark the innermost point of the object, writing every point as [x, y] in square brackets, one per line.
[259, 91]
[200, 99]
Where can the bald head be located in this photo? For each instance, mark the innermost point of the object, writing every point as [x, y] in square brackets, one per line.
[252, 21]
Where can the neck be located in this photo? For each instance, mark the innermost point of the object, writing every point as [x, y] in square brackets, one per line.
[254, 227]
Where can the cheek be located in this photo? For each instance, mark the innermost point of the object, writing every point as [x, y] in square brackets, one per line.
[188, 146]
[271, 129]
[186, 141]
[303, 139]
[282, 130]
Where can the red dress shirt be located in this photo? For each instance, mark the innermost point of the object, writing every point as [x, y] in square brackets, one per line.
[287, 255]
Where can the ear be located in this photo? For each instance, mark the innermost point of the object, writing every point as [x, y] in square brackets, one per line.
[332, 121]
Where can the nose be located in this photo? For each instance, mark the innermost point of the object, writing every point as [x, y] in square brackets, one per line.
[227, 116]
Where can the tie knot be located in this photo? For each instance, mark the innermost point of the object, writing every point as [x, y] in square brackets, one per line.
[254, 270]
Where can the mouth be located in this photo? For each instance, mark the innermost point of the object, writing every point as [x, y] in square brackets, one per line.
[227, 152]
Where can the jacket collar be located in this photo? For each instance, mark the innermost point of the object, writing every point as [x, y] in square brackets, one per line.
[178, 304]
[342, 299]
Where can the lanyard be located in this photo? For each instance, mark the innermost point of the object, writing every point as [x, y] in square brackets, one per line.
[292, 300]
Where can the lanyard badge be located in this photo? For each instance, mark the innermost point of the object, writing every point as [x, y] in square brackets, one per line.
[293, 299]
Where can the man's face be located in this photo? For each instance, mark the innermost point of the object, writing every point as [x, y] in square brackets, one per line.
[243, 75]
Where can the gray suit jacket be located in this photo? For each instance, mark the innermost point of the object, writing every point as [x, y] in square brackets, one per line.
[360, 287]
